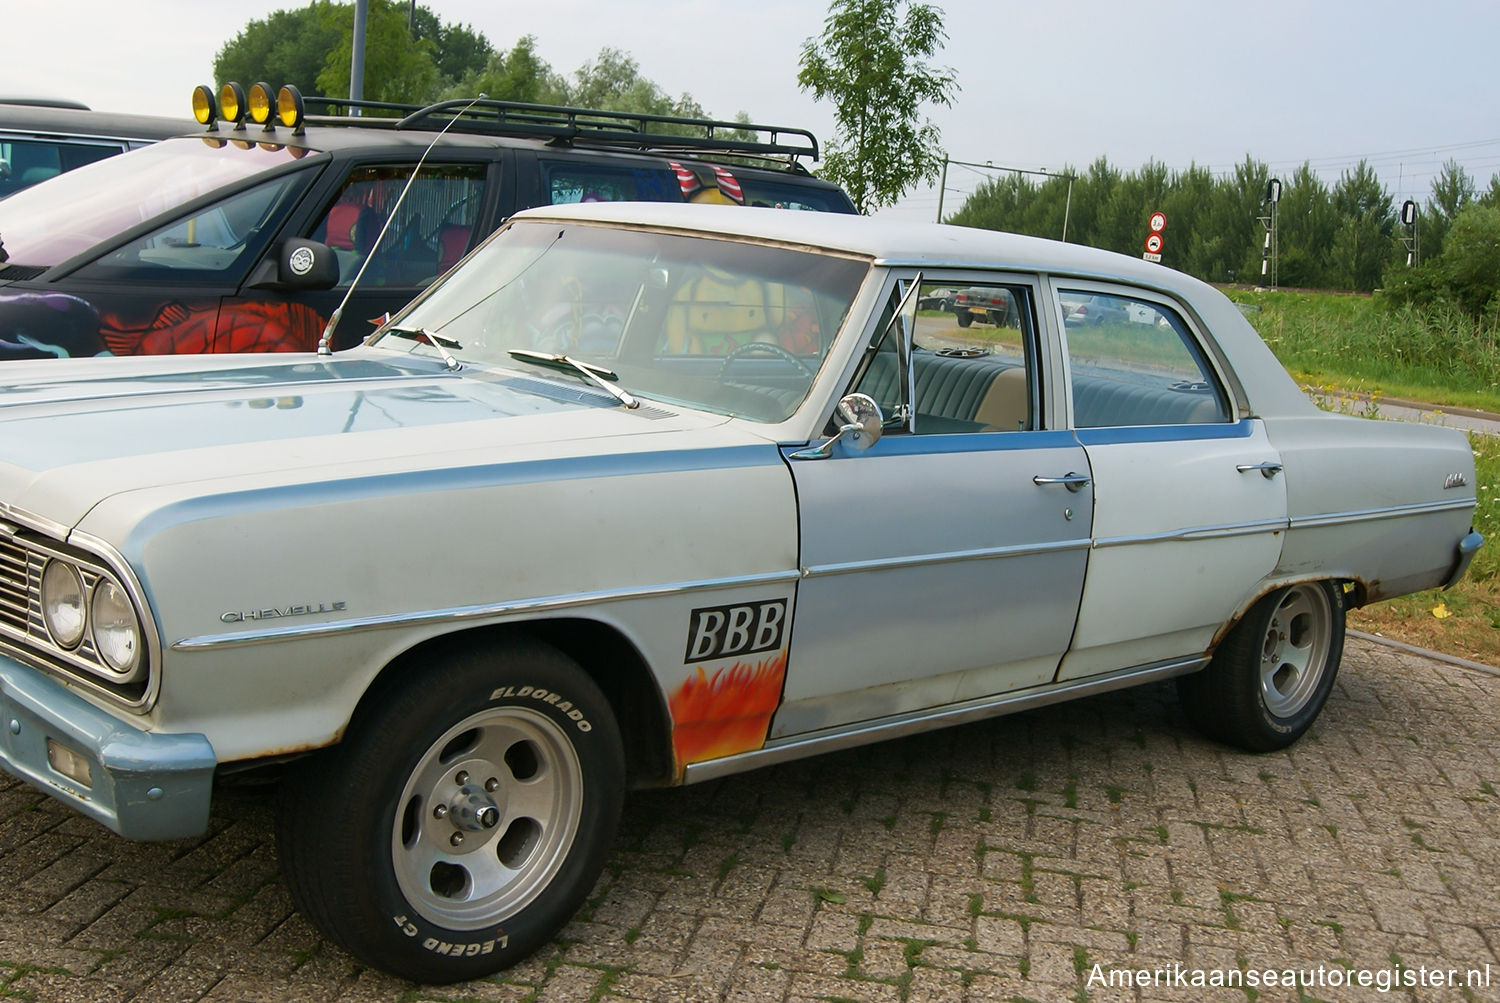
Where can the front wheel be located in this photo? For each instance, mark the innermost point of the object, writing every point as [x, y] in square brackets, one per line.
[464, 818]
[1274, 670]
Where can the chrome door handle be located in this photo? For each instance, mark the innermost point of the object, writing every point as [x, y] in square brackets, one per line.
[1070, 480]
[1267, 470]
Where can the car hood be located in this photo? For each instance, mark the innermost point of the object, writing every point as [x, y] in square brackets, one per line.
[75, 432]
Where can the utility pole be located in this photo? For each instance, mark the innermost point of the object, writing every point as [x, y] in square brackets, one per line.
[357, 60]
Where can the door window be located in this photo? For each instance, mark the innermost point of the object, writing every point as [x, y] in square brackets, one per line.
[434, 226]
[566, 182]
[25, 162]
[212, 245]
[971, 359]
[1134, 362]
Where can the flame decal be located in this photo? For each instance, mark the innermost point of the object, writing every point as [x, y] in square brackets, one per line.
[727, 712]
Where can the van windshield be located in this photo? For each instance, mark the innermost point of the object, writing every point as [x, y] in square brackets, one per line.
[57, 219]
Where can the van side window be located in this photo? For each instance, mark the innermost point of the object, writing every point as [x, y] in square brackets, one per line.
[434, 227]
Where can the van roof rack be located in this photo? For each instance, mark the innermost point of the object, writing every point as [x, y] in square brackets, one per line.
[567, 126]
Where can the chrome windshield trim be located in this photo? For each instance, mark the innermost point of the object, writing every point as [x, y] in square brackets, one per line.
[784, 750]
[1389, 512]
[952, 557]
[545, 604]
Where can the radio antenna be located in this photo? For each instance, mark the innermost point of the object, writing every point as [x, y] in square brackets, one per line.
[326, 340]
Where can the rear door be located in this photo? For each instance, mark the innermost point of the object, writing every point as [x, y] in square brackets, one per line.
[1191, 509]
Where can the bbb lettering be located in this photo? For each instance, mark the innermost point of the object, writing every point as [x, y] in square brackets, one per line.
[728, 631]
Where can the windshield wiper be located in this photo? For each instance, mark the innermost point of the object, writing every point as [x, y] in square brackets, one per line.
[428, 338]
[594, 374]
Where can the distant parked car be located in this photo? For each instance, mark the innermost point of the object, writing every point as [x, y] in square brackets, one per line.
[1093, 311]
[986, 305]
[41, 138]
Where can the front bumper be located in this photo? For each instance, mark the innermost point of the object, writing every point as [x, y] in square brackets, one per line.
[140, 784]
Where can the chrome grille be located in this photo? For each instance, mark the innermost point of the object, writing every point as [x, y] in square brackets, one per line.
[22, 629]
[20, 587]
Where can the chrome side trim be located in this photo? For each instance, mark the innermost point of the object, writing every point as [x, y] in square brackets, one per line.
[818, 743]
[544, 604]
[1257, 527]
[1372, 514]
[952, 557]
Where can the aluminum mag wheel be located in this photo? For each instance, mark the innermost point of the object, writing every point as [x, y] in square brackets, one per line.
[464, 817]
[487, 817]
[1294, 651]
[1272, 673]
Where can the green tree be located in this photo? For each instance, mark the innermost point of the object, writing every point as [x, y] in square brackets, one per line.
[871, 62]
[286, 47]
[459, 49]
[1471, 256]
[1305, 224]
[312, 47]
[517, 75]
[1363, 243]
[1452, 190]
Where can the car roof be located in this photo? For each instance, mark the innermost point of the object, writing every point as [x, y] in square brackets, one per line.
[898, 243]
[892, 242]
[55, 121]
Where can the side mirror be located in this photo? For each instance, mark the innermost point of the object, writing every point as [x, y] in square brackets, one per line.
[860, 426]
[306, 264]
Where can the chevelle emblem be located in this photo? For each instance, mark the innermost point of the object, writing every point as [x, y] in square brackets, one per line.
[1455, 481]
[277, 612]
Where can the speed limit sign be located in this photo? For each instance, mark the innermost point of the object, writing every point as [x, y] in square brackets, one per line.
[1158, 222]
[1153, 243]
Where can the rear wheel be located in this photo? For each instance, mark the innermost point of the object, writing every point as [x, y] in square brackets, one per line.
[1274, 670]
[965, 318]
[463, 819]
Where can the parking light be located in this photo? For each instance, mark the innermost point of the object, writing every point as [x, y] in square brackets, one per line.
[205, 108]
[232, 104]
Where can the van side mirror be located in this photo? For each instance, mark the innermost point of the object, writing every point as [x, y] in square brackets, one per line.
[306, 264]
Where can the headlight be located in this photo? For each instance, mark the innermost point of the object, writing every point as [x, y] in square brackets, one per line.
[117, 632]
[63, 604]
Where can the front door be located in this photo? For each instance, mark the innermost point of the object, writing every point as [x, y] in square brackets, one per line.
[945, 563]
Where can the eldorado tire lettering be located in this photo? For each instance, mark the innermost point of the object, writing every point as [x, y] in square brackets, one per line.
[547, 697]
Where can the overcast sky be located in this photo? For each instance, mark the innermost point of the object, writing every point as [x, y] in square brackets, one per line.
[1044, 84]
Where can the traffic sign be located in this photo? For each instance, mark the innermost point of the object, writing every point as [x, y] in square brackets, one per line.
[1151, 257]
[1158, 222]
[1153, 243]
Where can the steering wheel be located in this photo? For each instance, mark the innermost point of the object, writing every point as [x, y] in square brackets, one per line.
[764, 346]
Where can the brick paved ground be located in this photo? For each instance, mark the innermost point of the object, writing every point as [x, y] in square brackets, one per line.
[997, 861]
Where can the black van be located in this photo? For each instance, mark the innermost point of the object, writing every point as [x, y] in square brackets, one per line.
[246, 235]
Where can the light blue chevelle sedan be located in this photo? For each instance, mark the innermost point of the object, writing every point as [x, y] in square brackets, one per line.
[650, 494]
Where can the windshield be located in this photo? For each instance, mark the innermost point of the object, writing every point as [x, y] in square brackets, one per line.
[50, 222]
[728, 326]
